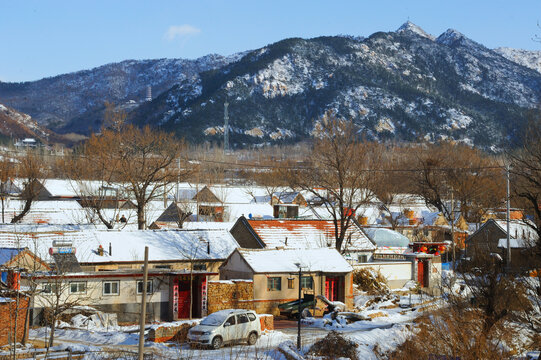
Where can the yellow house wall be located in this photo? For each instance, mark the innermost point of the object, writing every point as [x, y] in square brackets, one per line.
[212, 266]
[266, 301]
[26, 261]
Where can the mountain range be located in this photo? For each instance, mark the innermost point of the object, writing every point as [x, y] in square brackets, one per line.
[405, 85]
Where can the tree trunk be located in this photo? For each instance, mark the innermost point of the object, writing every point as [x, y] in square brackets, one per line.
[51, 338]
[26, 209]
[140, 217]
[108, 224]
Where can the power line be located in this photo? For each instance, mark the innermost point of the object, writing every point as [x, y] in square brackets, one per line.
[301, 167]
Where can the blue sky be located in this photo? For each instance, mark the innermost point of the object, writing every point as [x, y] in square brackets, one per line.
[46, 38]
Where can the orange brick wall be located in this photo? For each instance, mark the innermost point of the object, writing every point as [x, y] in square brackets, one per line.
[7, 320]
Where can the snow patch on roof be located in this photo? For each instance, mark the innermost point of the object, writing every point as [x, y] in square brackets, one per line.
[310, 260]
[308, 234]
[129, 246]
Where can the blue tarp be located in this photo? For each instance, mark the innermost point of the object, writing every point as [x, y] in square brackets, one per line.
[6, 254]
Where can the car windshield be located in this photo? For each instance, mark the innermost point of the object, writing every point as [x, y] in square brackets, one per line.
[214, 319]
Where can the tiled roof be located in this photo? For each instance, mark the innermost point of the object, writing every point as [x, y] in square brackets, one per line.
[307, 234]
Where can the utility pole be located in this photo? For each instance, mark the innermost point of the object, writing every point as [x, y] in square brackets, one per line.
[299, 310]
[178, 180]
[453, 227]
[508, 262]
[143, 307]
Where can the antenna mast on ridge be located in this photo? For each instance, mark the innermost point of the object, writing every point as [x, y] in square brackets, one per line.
[226, 128]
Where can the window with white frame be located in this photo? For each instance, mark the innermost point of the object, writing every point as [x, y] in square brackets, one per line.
[111, 288]
[78, 287]
[140, 287]
[307, 282]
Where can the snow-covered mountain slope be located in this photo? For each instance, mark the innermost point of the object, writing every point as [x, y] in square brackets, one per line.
[16, 125]
[528, 58]
[403, 85]
[75, 101]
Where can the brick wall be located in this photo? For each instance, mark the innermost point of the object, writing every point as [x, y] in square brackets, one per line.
[8, 311]
[230, 294]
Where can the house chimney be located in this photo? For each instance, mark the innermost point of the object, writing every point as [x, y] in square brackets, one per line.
[110, 249]
[100, 250]
[208, 247]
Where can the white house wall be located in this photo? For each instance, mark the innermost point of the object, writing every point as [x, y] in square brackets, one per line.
[397, 273]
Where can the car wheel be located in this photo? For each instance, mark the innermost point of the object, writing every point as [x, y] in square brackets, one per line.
[252, 338]
[216, 342]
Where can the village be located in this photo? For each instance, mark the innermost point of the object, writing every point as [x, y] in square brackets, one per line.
[69, 282]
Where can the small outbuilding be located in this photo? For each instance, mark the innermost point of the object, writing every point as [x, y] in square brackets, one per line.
[275, 275]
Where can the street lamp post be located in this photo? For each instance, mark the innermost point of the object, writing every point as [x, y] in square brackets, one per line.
[299, 309]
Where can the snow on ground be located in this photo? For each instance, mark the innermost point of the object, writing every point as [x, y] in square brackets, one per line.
[392, 322]
[118, 340]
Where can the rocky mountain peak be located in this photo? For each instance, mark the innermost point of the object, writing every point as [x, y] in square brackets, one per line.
[408, 26]
[450, 37]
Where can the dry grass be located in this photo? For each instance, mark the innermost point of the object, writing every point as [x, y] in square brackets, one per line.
[371, 281]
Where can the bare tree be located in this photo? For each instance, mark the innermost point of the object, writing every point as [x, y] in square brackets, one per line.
[142, 161]
[114, 119]
[7, 171]
[57, 299]
[526, 171]
[392, 183]
[337, 174]
[93, 174]
[33, 171]
[446, 171]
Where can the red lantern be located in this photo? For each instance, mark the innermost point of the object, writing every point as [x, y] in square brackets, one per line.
[441, 248]
[423, 249]
[436, 253]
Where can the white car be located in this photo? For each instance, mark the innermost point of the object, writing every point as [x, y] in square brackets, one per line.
[226, 326]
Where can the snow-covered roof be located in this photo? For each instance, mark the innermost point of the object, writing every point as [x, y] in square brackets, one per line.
[515, 243]
[386, 237]
[62, 187]
[128, 246]
[307, 234]
[51, 212]
[517, 229]
[280, 261]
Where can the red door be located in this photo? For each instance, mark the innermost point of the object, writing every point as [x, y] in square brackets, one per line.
[331, 288]
[183, 299]
[422, 273]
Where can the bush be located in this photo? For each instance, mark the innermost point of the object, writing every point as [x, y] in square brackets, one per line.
[334, 346]
[370, 280]
[452, 334]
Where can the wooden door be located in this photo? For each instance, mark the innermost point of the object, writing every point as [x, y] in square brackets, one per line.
[422, 273]
[183, 299]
